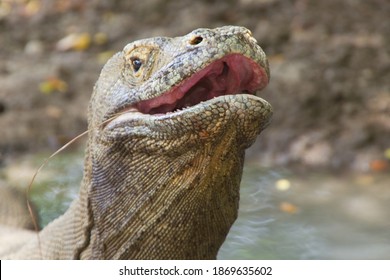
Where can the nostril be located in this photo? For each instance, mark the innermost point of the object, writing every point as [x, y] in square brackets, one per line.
[196, 40]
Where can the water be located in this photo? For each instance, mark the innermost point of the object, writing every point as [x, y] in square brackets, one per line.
[305, 216]
[58, 188]
[320, 216]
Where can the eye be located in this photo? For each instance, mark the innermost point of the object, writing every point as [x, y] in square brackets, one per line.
[137, 63]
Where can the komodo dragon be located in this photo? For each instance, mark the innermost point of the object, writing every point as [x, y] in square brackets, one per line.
[169, 122]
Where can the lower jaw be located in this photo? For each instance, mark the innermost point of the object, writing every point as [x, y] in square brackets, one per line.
[245, 111]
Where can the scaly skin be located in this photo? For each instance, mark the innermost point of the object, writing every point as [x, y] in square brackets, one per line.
[160, 186]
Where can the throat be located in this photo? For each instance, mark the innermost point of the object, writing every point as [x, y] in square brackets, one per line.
[182, 209]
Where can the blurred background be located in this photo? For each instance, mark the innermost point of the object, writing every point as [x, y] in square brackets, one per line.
[316, 183]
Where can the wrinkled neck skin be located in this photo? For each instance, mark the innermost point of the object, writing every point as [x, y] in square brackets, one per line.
[148, 202]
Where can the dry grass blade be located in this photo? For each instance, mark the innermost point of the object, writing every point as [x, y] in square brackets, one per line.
[35, 175]
[43, 165]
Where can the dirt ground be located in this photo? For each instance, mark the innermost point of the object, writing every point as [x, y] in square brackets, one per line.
[330, 71]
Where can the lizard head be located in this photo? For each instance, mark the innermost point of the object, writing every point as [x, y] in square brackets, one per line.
[170, 119]
[162, 80]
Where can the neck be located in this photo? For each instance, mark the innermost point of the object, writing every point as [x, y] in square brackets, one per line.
[164, 205]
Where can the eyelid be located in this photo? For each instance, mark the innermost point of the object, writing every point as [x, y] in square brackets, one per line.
[140, 63]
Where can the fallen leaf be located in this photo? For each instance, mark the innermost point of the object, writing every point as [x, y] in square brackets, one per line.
[100, 38]
[5, 9]
[53, 84]
[378, 165]
[74, 41]
[82, 42]
[32, 7]
[288, 207]
[387, 153]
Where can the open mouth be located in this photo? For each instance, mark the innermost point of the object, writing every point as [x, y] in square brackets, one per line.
[232, 74]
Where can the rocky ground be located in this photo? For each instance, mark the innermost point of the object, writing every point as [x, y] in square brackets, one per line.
[330, 68]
